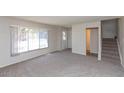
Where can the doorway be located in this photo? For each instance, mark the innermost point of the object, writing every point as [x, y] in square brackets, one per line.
[64, 40]
[92, 41]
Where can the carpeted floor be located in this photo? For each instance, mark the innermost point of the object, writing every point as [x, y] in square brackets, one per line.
[64, 64]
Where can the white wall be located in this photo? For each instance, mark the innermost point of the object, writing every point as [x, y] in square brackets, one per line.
[94, 41]
[6, 59]
[109, 28]
[121, 39]
[79, 37]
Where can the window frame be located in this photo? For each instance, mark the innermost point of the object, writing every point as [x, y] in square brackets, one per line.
[19, 53]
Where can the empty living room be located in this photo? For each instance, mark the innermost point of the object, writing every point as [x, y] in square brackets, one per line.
[62, 46]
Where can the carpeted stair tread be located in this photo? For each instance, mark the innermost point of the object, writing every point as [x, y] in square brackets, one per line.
[110, 50]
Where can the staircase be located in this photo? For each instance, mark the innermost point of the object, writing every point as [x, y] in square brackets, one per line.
[110, 50]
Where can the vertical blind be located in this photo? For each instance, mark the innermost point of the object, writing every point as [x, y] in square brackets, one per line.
[24, 39]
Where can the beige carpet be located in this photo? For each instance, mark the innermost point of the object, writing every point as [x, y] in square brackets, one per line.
[64, 64]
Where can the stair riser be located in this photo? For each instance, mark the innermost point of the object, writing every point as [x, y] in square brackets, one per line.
[111, 49]
[109, 43]
[110, 52]
[109, 46]
[114, 54]
[111, 40]
[111, 57]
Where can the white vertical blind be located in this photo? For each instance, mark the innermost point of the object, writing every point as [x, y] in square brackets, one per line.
[25, 39]
[14, 39]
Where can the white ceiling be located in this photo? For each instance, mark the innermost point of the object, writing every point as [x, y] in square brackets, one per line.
[64, 20]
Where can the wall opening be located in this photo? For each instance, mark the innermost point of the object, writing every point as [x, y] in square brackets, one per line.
[92, 41]
[88, 41]
[109, 29]
[64, 40]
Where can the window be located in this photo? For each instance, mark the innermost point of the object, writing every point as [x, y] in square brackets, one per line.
[43, 39]
[25, 39]
[33, 39]
[64, 35]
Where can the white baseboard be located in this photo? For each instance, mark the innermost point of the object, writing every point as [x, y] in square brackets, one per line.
[120, 55]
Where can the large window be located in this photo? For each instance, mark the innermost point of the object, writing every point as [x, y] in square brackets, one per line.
[25, 39]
